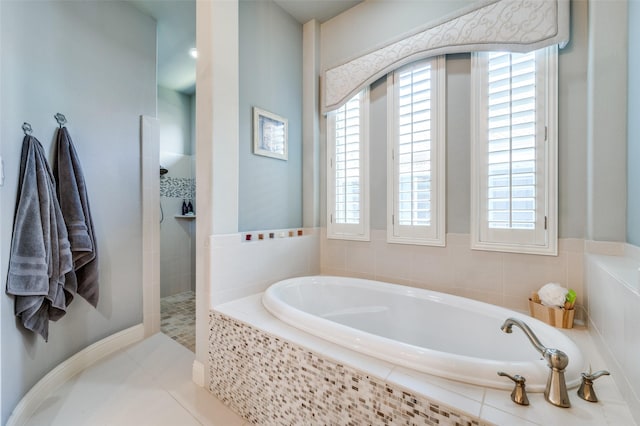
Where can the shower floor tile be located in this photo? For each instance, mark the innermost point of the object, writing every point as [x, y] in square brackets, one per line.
[178, 318]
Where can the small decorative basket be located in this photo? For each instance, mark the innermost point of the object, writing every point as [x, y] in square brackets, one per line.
[556, 317]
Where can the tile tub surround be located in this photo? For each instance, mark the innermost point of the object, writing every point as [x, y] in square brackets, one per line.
[614, 314]
[503, 279]
[273, 381]
[240, 268]
[254, 326]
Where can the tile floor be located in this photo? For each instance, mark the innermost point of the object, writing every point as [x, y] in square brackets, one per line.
[178, 318]
[148, 383]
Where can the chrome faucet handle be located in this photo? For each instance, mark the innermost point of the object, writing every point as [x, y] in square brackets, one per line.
[519, 394]
[586, 391]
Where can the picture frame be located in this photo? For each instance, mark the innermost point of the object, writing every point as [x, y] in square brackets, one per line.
[270, 134]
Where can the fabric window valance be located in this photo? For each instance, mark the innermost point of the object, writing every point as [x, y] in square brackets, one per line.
[514, 25]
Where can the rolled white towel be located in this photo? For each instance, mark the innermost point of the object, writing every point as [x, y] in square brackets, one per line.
[553, 294]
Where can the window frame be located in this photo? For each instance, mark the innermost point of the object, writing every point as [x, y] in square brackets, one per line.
[360, 231]
[546, 224]
[434, 234]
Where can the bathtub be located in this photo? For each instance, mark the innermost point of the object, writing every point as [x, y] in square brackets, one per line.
[435, 333]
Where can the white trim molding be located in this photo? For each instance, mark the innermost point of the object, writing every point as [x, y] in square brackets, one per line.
[433, 234]
[542, 237]
[150, 159]
[197, 373]
[350, 231]
[70, 368]
[516, 25]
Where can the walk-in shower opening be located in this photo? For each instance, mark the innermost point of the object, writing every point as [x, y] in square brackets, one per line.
[177, 224]
[178, 318]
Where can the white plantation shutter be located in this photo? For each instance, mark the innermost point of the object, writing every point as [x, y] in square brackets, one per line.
[347, 198]
[347, 163]
[416, 168]
[514, 151]
[511, 174]
[414, 146]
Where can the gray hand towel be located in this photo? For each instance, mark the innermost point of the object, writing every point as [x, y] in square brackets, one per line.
[74, 202]
[40, 255]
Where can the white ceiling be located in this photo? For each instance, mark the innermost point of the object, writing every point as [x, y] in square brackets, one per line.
[177, 32]
[322, 10]
[176, 35]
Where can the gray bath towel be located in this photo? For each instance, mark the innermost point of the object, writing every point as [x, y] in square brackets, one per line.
[40, 254]
[74, 202]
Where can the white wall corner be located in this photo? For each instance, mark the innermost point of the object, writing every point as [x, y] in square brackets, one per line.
[217, 140]
[310, 124]
[197, 373]
[150, 157]
[222, 56]
[1, 210]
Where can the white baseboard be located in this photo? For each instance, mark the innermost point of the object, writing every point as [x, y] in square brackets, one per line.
[197, 373]
[69, 368]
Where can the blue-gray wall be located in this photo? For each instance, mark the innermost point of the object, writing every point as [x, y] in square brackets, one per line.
[270, 190]
[95, 63]
[633, 120]
[176, 121]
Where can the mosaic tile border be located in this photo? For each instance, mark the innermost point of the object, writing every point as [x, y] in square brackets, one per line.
[177, 187]
[270, 381]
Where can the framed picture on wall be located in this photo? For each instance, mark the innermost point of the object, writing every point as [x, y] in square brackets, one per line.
[270, 133]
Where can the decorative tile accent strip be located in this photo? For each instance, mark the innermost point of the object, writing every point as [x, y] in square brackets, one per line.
[177, 187]
[271, 381]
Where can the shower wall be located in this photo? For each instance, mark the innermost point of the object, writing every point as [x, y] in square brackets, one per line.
[177, 233]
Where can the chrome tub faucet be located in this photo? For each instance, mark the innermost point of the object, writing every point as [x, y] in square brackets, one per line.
[556, 390]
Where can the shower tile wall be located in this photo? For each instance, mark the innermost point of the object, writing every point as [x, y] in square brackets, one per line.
[176, 234]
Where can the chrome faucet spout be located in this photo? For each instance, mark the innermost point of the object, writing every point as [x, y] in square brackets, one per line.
[556, 390]
[507, 328]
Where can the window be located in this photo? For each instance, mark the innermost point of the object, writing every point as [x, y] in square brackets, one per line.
[514, 133]
[416, 161]
[348, 170]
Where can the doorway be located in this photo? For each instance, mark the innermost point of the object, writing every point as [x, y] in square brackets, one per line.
[170, 303]
[177, 215]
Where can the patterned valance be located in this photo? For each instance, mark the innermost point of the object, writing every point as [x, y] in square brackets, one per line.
[514, 25]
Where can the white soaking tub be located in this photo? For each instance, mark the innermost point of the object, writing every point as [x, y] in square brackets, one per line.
[436, 333]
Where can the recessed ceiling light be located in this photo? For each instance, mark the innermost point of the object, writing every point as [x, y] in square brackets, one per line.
[193, 52]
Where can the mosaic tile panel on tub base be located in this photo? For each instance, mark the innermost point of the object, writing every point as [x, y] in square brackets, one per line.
[270, 381]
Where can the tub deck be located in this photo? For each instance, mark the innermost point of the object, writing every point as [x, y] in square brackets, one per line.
[487, 404]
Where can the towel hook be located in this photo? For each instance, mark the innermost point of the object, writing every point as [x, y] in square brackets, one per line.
[26, 128]
[61, 119]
